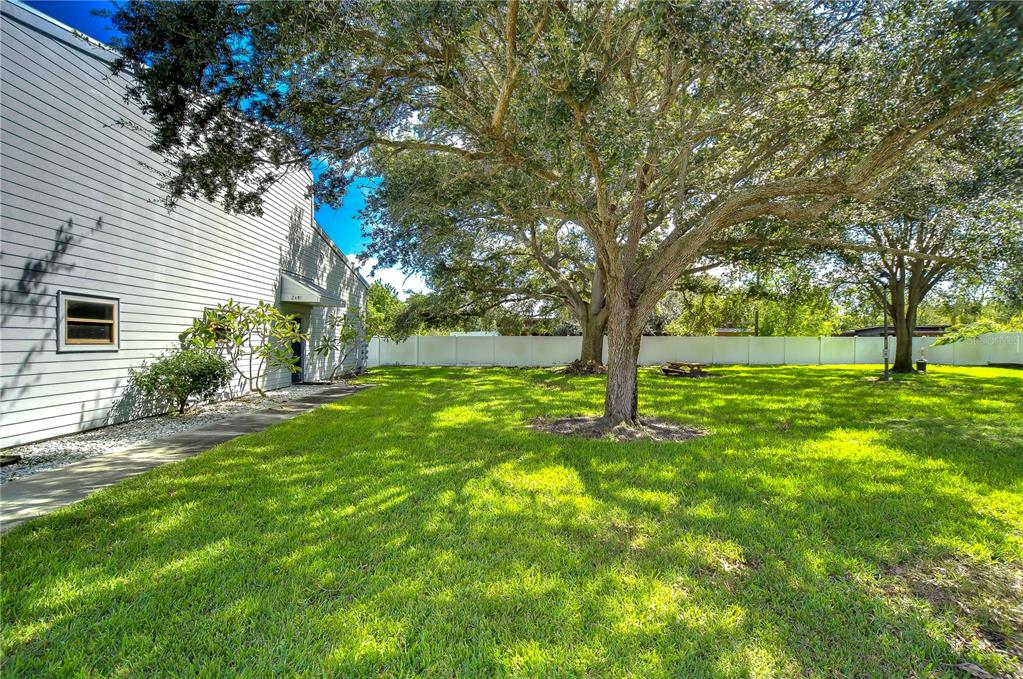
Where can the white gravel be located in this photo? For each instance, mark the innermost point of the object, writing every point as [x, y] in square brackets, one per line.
[53, 453]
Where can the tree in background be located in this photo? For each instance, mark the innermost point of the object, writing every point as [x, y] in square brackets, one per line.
[445, 311]
[964, 215]
[697, 306]
[657, 127]
[481, 242]
[383, 310]
[791, 298]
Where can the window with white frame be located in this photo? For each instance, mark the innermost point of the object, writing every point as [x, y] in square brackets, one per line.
[87, 322]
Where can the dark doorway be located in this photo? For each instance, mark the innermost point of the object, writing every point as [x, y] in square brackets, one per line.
[298, 349]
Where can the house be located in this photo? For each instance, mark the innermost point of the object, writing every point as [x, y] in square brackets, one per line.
[878, 331]
[97, 275]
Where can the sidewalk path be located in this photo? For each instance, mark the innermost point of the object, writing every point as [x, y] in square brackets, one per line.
[42, 493]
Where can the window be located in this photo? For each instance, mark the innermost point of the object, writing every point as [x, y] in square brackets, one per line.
[87, 323]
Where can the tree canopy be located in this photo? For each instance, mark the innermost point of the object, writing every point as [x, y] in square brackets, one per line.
[656, 127]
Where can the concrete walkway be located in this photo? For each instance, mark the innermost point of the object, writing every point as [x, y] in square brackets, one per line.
[23, 499]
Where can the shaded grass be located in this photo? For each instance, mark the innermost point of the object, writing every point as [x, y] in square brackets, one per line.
[420, 527]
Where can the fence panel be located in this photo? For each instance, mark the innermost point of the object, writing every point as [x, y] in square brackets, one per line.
[1003, 347]
[969, 352]
[474, 350]
[557, 351]
[437, 350]
[513, 351]
[393, 353]
[945, 354]
[921, 347]
[767, 350]
[656, 350]
[373, 352]
[871, 349]
[802, 351]
[731, 350]
[837, 350]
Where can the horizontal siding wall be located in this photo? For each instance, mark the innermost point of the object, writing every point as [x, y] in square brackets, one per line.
[552, 351]
[81, 211]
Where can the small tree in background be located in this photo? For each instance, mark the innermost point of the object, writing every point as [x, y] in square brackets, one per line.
[382, 310]
[344, 334]
[253, 339]
[181, 375]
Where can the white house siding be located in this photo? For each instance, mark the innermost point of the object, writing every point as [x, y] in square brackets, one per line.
[80, 211]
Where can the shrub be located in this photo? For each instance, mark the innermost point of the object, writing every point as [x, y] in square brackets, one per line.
[343, 334]
[181, 375]
[251, 338]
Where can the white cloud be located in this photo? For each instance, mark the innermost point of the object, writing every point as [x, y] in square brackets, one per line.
[404, 283]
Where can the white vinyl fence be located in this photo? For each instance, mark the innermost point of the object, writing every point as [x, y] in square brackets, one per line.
[550, 351]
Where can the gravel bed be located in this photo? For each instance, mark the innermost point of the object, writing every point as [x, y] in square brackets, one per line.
[63, 450]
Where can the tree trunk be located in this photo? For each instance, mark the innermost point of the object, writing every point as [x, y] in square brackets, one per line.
[593, 338]
[621, 397]
[905, 324]
[593, 320]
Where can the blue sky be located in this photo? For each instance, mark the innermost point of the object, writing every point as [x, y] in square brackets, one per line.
[342, 224]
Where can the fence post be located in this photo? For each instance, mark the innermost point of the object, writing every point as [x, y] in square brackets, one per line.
[820, 349]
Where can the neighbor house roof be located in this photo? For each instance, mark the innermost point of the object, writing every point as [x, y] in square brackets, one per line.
[878, 331]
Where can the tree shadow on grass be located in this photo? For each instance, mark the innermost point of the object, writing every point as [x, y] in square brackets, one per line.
[419, 527]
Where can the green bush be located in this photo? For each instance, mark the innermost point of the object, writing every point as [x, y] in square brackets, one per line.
[250, 338]
[181, 375]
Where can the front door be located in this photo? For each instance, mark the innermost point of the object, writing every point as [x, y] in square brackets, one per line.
[298, 349]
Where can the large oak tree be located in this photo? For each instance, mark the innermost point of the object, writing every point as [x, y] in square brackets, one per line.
[657, 127]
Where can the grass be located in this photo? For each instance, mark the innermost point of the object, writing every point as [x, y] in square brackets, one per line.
[829, 525]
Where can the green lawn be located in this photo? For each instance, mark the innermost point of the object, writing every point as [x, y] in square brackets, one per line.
[829, 525]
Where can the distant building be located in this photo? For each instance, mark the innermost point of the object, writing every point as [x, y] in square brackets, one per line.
[878, 331]
[732, 332]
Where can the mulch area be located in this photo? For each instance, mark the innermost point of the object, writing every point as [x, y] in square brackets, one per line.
[579, 367]
[593, 427]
